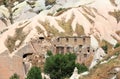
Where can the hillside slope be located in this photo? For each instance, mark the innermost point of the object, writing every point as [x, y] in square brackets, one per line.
[99, 19]
[84, 19]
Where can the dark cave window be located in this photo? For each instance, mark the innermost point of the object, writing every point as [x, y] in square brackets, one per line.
[75, 39]
[58, 39]
[28, 54]
[85, 55]
[67, 39]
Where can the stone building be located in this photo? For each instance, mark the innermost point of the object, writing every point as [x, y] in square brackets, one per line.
[71, 44]
[79, 45]
[35, 50]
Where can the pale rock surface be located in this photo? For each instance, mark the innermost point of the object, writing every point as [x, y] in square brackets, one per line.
[45, 76]
[9, 66]
[17, 42]
[99, 54]
[75, 74]
[104, 26]
[94, 42]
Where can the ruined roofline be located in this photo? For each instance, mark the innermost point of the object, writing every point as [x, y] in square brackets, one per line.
[74, 36]
[60, 45]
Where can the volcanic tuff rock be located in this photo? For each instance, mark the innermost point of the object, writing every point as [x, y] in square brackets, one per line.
[84, 19]
[99, 19]
[9, 66]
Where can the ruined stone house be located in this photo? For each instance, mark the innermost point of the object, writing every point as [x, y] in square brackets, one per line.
[79, 45]
[74, 44]
[38, 47]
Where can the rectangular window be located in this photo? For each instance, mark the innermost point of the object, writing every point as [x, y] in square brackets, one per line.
[68, 49]
[83, 39]
[60, 49]
[75, 39]
[80, 46]
[58, 39]
[88, 49]
[67, 40]
[85, 55]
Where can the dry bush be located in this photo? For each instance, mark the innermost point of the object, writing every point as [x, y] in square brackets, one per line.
[79, 30]
[39, 30]
[49, 29]
[102, 71]
[116, 15]
[66, 26]
[10, 41]
[113, 2]
[50, 2]
[61, 11]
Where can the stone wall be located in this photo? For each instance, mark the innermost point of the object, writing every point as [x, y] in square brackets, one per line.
[79, 45]
[72, 44]
[72, 41]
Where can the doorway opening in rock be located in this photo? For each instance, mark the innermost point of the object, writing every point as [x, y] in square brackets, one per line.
[41, 38]
[27, 54]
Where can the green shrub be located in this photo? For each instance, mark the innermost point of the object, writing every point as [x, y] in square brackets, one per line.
[34, 73]
[49, 53]
[14, 76]
[117, 45]
[81, 68]
[59, 9]
[60, 66]
[105, 48]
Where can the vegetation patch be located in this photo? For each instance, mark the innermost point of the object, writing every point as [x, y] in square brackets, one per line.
[61, 66]
[113, 2]
[4, 30]
[81, 68]
[49, 53]
[49, 29]
[50, 14]
[15, 76]
[61, 10]
[79, 30]
[102, 71]
[39, 30]
[50, 2]
[34, 73]
[117, 45]
[66, 26]
[10, 41]
[116, 15]
[88, 11]
[106, 46]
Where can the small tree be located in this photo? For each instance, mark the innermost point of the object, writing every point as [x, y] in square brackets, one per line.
[81, 68]
[34, 73]
[105, 48]
[60, 66]
[49, 53]
[117, 45]
[14, 76]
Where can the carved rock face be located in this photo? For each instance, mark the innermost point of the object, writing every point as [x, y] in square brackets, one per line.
[118, 76]
[9, 66]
